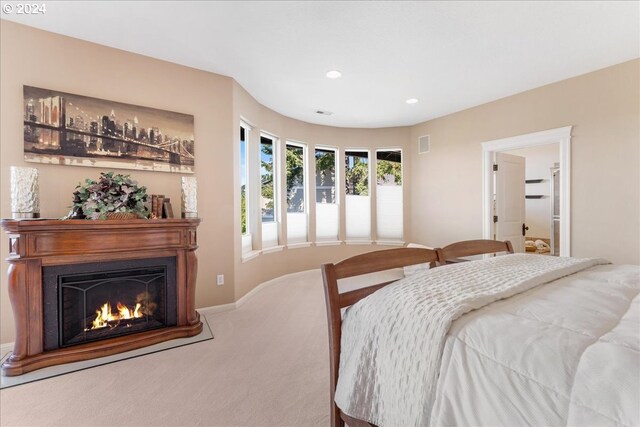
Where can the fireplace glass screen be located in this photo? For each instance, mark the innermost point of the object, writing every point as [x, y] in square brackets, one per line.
[103, 305]
[95, 301]
[95, 306]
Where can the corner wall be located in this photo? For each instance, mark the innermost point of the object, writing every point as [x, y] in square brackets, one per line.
[43, 59]
[38, 58]
[604, 109]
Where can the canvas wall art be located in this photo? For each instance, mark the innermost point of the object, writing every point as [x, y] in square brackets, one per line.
[67, 129]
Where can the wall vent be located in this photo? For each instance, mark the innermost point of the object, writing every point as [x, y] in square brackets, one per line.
[424, 144]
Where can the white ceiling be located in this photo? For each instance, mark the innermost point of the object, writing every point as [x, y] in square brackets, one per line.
[449, 55]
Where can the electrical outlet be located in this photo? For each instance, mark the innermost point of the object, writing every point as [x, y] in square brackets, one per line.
[220, 279]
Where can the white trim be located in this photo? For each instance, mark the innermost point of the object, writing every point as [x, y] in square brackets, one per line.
[358, 242]
[389, 243]
[528, 140]
[328, 243]
[273, 249]
[269, 135]
[296, 143]
[250, 255]
[298, 245]
[216, 308]
[234, 305]
[561, 136]
[246, 123]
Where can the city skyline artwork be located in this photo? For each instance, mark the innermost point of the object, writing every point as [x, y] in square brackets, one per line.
[69, 129]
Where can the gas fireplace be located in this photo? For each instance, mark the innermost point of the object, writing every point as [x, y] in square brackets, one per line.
[85, 289]
[90, 302]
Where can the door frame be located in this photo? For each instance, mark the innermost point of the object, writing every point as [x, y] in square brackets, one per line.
[560, 136]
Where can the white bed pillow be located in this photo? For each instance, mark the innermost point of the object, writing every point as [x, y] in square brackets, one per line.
[410, 270]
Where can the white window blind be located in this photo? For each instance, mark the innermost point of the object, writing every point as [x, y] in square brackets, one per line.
[358, 217]
[389, 209]
[358, 201]
[296, 227]
[269, 234]
[327, 221]
[246, 243]
[327, 208]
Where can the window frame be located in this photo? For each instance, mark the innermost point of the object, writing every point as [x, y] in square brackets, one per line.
[275, 171]
[247, 167]
[275, 225]
[400, 240]
[292, 240]
[337, 193]
[357, 240]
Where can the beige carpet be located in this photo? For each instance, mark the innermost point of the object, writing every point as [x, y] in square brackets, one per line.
[267, 366]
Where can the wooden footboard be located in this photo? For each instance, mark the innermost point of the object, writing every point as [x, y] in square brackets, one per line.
[356, 266]
[375, 262]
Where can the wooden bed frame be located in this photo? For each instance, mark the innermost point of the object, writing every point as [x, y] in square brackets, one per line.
[452, 253]
[375, 262]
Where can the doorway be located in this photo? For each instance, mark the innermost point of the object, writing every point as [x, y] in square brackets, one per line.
[540, 198]
[561, 137]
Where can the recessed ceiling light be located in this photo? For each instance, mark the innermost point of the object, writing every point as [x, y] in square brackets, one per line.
[334, 74]
[411, 101]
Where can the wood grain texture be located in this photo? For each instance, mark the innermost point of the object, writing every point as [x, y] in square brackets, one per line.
[68, 242]
[474, 247]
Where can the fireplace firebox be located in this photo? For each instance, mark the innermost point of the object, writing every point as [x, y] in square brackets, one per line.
[96, 301]
[85, 289]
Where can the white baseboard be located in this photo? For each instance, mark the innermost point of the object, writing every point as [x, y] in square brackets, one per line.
[232, 306]
[216, 308]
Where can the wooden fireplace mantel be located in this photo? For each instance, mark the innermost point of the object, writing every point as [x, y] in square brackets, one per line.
[35, 244]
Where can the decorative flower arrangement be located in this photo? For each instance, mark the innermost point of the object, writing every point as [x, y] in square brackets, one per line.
[111, 194]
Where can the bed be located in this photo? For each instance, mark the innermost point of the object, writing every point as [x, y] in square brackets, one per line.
[510, 340]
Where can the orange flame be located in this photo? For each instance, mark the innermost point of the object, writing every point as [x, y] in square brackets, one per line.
[104, 315]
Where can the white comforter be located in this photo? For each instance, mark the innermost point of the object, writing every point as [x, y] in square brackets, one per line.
[495, 369]
[566, 353]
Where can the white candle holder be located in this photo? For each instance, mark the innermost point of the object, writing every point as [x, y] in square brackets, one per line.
[189, 197]
[25, 193]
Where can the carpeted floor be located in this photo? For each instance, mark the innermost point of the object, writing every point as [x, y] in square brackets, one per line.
[267, 366]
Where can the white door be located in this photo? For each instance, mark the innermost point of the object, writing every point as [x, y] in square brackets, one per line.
[510, 201]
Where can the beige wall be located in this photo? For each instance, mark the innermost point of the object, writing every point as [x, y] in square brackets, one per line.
[442, 189]
[37, 58]
[603, 108]
[42, 59]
